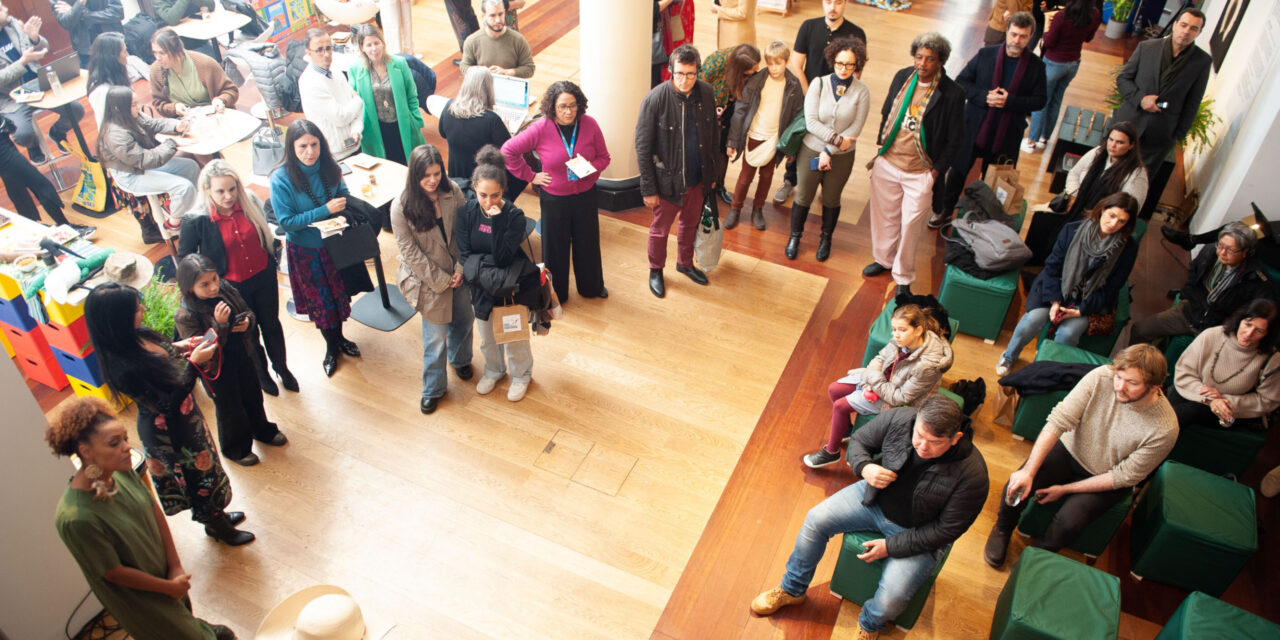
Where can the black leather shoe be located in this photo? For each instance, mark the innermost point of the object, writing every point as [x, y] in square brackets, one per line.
[656, 284]
[223, 531]
[236, 517]
[248, 460]
[824, 247]
[604, 293]
[330, 363]
[222, 632]
[874, 269]
[268, 385]
[278, 440]
[428, 405]
[725, 195]
[348, 347]
[695, 274]
[287, 380]
[793, 246]
[464, 372]
[902, 290]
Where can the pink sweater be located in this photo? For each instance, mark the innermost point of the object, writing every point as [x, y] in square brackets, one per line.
[544, 137]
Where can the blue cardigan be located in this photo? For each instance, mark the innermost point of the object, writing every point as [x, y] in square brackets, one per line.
[1047, 288]
[295, 210]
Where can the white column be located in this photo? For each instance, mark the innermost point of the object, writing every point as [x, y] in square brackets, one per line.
[615, 39]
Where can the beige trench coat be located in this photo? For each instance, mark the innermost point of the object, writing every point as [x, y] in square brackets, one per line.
[736, 23]
[426, 263]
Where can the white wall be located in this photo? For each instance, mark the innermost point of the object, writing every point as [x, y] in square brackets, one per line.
[1241, 165]
[41, 582]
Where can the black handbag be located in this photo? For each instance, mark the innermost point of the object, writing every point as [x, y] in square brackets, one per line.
[1060, 203]
[359, 241]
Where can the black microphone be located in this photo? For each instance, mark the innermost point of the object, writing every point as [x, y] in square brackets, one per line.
[55, 248]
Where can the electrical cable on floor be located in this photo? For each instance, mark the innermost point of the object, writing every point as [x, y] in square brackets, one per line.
[97, 624]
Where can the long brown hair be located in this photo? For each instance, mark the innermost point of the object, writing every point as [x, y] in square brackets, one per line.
[1126, 164]
[418, 208]
[118, 112]
[918, 317]
[738, 68]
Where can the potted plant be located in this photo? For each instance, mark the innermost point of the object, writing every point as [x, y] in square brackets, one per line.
[1119, 23]
[161, 301]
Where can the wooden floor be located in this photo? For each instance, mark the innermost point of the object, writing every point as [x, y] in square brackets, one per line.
[650, 483]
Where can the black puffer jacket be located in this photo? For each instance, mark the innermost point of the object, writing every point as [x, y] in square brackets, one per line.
[948, 496]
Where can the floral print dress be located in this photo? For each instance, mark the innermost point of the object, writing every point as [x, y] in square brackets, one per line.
[181, 456]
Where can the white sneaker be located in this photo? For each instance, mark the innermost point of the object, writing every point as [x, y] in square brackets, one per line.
[486, 385]
[1002, 369]
[1040, 144]
[517, 390]
[1028, 146]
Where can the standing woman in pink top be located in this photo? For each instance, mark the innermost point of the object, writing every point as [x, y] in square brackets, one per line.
[566, 138]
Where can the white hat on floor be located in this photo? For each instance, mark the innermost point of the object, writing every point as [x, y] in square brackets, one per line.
[321, 612]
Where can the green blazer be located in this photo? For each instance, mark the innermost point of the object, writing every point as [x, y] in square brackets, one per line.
[408, 115]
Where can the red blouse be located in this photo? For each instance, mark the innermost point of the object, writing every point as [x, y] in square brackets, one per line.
[245, 255]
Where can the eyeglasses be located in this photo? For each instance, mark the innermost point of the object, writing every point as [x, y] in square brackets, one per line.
[689, 75]
[844, 65]
[1231, 251]
[567, 107]
[326, 49]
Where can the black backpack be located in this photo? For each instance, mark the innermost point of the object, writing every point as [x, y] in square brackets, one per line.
[137, 36]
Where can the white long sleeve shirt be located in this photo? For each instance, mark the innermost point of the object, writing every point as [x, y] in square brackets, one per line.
[333, 105]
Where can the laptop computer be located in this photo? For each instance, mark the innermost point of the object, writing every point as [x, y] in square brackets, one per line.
[66, 68]
[511, 100]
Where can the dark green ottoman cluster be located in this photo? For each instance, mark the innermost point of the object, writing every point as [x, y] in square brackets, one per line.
[1201, 616]
[1049, 596]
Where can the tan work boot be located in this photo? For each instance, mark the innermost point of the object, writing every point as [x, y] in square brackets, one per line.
[863, 634]
[772, 600]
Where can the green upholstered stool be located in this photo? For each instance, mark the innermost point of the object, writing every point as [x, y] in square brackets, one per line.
[1172, 351]
[980, 305]
[1095, 537]
[1034, 605]
[1204, 616]
[857, 581]
[1193, 529]
[1216, 450]
[1033, 411]
[881, 332]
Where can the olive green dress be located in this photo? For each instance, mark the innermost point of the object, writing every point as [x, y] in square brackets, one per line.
[103, 535]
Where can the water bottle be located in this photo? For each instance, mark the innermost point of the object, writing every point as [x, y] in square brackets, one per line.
[54, 83]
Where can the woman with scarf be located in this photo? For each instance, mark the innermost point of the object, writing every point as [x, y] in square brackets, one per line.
[1082, 278]
[1113, 167]
[835, 109]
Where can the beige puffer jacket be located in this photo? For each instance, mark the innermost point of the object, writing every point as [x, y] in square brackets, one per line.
[912, 380]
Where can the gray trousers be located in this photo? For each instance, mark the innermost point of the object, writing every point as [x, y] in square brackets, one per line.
[1170, 322]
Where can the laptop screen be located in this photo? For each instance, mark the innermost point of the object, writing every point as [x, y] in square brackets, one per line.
[512, 92]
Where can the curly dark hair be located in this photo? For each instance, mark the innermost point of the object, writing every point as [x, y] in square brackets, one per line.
[78, 420]
[856, 45]
[558, 87]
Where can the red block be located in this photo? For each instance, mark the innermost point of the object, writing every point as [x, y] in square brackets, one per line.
[34, 357]
[73, 339]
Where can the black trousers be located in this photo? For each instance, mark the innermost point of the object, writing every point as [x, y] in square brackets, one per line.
[21, 179]
[571, 230]
[262, 293]
[1192, 414]
[1078, 509]
[238, 401]
[392, 146]
[944, 201]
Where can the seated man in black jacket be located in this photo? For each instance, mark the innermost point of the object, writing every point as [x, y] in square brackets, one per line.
[1218, 283]
[925, 490]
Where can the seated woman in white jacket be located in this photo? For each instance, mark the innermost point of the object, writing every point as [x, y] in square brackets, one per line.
[328, 100]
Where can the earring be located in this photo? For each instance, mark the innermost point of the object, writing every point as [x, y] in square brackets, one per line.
[92, 471]
[101, 489]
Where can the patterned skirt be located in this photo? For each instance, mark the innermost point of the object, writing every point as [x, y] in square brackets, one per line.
[183, 461]
[318, 289]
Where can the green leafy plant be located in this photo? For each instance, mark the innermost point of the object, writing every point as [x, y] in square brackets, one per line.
[161, 301]
[1121, 9]
[1198, 137]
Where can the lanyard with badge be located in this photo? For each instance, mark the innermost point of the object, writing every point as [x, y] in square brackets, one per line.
[577, 166]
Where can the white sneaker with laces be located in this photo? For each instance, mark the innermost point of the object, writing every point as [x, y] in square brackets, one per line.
[486, 385]
[1003, 367]
[517, 390]
[1028, 146]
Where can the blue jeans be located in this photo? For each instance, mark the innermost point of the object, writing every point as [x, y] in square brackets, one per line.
[1029, 325]
[1057, 75]
[456, 334]
[844, 512]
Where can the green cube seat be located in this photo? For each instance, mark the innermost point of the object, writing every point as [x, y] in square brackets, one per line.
[1193, 529]
[857, 581]
[1033, 411]
[1216, 450]
[1095, 537]
[980, 305]
[1172, 351]
[881, 332]
[1204, 616]
[1034, 605]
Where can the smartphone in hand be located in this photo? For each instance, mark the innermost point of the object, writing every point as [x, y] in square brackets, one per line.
[209, 337]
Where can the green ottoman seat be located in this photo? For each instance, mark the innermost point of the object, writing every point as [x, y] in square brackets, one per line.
[980, 305]
[1034, 605]
[1216, 450]
[1095, 537]
[1193, 529]
[1033, 411]
[881, 332]
[856, 580]
[1203, 616]
[1172, 351]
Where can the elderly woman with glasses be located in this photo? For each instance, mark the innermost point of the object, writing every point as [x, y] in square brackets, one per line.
[573, 153]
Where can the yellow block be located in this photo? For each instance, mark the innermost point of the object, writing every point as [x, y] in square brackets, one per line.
[8, 349]
[9, 288]
[64, 314]
[82, 388]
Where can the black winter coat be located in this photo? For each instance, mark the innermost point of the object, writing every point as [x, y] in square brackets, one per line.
[975, 79]
[1254, 283]
[943, 118]
[1047, 288]
[948, 496]
[660, 140]
[503, 273]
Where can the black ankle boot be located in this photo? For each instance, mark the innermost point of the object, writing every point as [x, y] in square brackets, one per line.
[824, 246]
[221, 529]
[793, 246]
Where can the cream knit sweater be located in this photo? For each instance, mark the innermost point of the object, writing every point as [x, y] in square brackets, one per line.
[1103, 434]
[1249, 398]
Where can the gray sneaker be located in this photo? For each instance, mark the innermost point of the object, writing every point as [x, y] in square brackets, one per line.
[821, 458]
[783, 192]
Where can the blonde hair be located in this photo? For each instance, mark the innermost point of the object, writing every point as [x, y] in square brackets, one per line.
[249, 203]
[364, 32]
[777, 51]
[918, 317]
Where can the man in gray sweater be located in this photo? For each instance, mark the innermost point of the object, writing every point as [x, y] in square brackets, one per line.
[1110, 433]
[496, 47]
